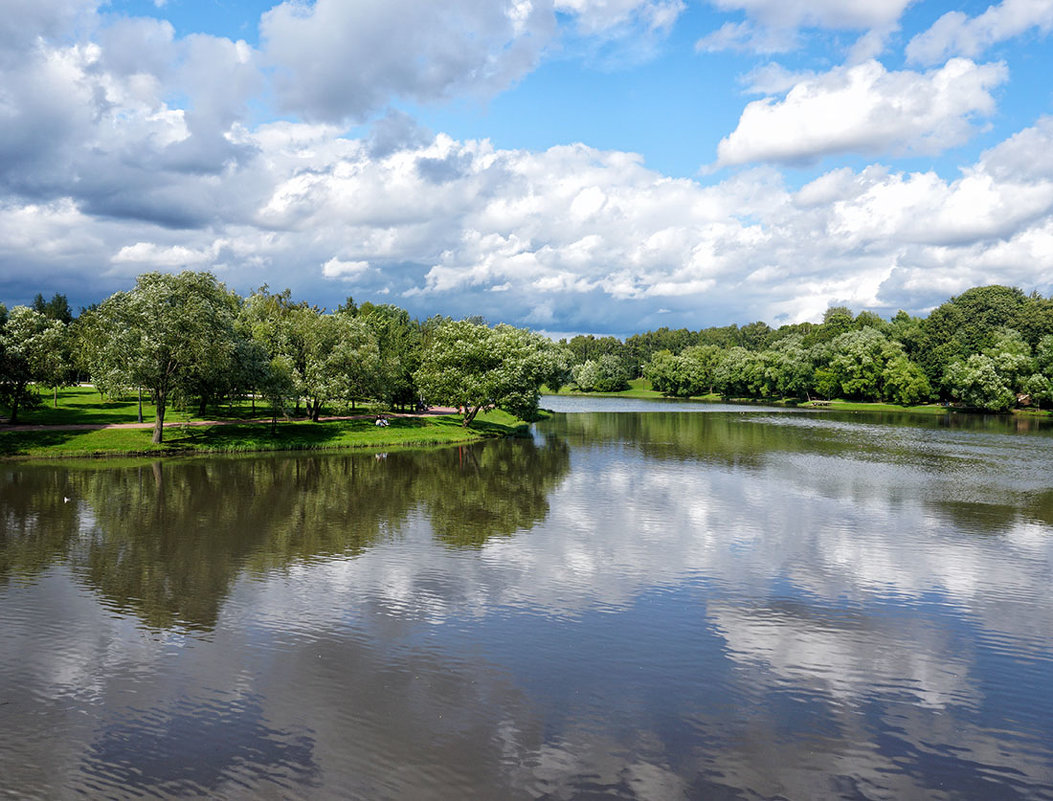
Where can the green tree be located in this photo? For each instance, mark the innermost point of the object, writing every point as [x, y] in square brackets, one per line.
[905, 382]
[966, 324]
[399, 342]
[858, 363]
[605, 374]
[794, 370]
[57, 308]
[164, 331]
[30, 347]
[1011, 356]
[977, 383]
[342, 361]
[471, 366]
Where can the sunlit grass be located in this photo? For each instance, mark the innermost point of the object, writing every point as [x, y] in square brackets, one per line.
[84, 406]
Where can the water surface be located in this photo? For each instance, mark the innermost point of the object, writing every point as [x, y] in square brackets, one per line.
[692, 602]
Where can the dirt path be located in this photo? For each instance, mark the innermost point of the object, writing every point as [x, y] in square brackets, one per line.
[434, 411]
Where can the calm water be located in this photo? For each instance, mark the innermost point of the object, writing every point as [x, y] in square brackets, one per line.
[646, 601]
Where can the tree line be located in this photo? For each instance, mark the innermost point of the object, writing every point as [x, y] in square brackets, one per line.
[186, 339]
[989, 348]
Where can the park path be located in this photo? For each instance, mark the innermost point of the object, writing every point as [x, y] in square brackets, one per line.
[434, 411]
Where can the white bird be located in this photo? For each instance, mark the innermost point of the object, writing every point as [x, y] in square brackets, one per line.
[65, 499]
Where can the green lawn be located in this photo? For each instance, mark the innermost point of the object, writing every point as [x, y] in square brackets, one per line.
[82, 405]
[638, 388]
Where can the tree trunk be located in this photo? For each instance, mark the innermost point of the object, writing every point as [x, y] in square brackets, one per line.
[470, 416]
[159, 418]
[14, 404]
[56, 396]
[140, 404]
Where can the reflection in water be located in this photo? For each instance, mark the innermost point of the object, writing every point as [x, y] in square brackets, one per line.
[166, 541]
[718, 605]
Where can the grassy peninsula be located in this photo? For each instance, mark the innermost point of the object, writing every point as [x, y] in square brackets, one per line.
[84, 424]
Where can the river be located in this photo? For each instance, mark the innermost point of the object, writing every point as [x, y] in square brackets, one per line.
[642, 600]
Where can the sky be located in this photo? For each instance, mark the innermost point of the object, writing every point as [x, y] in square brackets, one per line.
[573, 166]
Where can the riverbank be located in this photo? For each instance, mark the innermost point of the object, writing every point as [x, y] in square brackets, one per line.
[641, 388]
[86, 425]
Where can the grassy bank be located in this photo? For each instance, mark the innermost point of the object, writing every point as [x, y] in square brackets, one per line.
[641, 388]
[638, 388]
[83, 406]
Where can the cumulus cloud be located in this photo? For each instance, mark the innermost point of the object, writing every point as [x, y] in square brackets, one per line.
[120, 152]
[598, 16]
[336, 60]
[955, 33]
[772, 25]
[866, 109]
[570, 238]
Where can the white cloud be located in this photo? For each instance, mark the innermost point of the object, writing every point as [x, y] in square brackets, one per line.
[346, 270]
[336, 60]
[957, 34]
[772, 25]
[866, 109]
[102, 175]
[598, 16]
[571, 235]
[831, 14]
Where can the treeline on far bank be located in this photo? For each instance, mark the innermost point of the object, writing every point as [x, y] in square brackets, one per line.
[186, 340]
[989, 348]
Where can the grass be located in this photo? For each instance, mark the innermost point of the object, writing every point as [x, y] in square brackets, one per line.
[82, 405]
[638, 388]
[641, 388]
[854, 406]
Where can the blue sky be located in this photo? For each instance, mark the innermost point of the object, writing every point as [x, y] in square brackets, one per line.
[599, 166]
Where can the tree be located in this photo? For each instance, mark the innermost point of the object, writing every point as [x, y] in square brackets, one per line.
[164, 331]
[686, 375]
[1011, 356]
[976, 383]
[471, 366]
[399, 341]
[605, 374]
[965, 325]
[57, 308]
[858, 361]
[794, 369]
[341, 361]
[29, 346]
[905, 382]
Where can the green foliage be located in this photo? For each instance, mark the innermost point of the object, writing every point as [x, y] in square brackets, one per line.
[905, 382]
[55, 309]
[977, 383]
[605, 374]
[688, 375]
[31, 350]
[170, 334]
[470, 366]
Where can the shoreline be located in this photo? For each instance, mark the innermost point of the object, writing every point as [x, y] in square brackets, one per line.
[35, 442]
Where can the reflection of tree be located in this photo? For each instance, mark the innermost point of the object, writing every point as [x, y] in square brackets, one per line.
[170, 539]
[166, 541]
[492, 490]
[37, 523]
